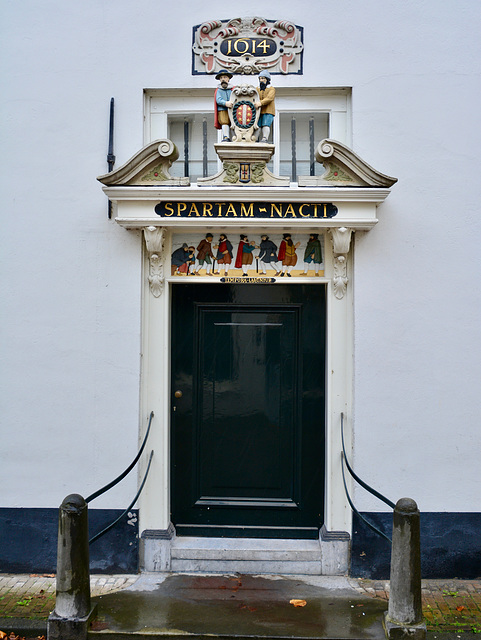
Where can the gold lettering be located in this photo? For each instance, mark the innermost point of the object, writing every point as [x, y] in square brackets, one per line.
[290, 209]
[247, 212]
[229, 47]
[263, 45]
[181, 206]
[207, 209]
[325, 211]
[245, 41]
[304, 215]
[315, 211]
[193, 208]
[231, 209]
[219, 209]
[277, 208]
[168, 207]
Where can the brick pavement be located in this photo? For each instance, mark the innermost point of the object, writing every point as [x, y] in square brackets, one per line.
[33, 596]
[448, 605]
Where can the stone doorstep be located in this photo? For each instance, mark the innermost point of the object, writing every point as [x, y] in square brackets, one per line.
[255, 567]
[185, 554]
[245, 549]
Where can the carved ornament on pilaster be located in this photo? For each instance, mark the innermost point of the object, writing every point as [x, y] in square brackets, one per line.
[154, 241]
[341, 242]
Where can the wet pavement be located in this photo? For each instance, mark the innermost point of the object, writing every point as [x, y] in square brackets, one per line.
[240, 607]
[205, 605]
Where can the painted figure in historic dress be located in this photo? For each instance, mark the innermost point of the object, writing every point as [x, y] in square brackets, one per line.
[268, 255]
[180, 260]
[188, 267]
[224, 253]
[266, 104]
[205, 255]
[222, 100]
[313, 253]
[287, 253]
[244, 256]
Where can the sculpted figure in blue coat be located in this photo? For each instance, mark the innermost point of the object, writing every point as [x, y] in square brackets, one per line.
[221, 102]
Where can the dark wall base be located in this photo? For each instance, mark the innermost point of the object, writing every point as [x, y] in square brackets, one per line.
[29, 541]
[450, 546]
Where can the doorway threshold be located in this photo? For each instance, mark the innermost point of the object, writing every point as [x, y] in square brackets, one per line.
[260, 556]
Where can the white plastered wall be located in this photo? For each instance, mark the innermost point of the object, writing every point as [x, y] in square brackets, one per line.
[71, 279]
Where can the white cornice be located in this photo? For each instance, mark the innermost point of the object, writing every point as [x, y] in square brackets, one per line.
[194, 225]
[293, 193]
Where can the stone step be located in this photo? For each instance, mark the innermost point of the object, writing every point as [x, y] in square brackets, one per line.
[258, 567]
[245, 549]
[251, 555]
[245, 554]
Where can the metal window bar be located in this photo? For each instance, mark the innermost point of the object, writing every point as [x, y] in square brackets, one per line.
[127, 471]
[293, 150]
[110, 152]
[312, 164]
[204, 147]
[186, 148]
[363, 484]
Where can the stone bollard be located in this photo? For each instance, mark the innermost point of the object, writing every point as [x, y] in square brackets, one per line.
[404, 617]
[69, 620]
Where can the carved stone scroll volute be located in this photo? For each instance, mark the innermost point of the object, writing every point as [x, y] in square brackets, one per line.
[341, 241]
[154, 241]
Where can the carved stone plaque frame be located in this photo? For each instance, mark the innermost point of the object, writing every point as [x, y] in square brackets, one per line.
[247, 46]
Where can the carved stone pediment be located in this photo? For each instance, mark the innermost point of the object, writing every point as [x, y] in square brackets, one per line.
[344, 168]
[148, 167]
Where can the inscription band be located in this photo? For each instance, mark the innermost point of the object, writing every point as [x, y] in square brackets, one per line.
[245, 210]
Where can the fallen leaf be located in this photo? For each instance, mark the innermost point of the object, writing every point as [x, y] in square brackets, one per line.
[460, 607]
[298, 603]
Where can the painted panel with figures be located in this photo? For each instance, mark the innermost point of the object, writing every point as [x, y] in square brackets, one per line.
[248, 256]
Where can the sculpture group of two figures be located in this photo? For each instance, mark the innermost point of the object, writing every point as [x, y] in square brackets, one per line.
[244, 114]
[254, 123]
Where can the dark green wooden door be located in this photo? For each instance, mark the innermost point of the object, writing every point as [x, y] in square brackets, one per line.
[248, 430]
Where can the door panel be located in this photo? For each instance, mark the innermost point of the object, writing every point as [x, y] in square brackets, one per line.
[248, 431]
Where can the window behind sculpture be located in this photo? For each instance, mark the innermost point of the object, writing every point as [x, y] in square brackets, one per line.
[194, 135]
[304, 117]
